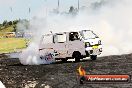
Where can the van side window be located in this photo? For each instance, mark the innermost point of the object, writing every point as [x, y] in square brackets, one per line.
[73, 36]
[47, 39]
[60, 38]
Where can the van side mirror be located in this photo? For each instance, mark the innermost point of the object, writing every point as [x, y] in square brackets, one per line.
[80, 37]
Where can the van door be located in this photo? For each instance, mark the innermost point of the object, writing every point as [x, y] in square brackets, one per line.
[75, 44]
[60, 40]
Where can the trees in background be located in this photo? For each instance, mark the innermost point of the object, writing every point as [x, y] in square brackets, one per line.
[7, 24]
[73, 10]
[4, 23]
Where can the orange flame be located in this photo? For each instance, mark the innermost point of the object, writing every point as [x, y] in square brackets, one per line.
[81, 71]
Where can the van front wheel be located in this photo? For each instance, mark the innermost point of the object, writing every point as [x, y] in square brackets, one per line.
[93, 57]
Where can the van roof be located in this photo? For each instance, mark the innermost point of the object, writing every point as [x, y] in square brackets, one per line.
[64, 32]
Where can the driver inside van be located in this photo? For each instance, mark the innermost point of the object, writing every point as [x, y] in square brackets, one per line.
[73, 36]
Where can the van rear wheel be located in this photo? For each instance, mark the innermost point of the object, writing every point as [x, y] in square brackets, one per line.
[77, 56]
[93, 57]
[77, 59]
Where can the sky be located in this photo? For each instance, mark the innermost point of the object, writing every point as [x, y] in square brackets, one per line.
[15, 9]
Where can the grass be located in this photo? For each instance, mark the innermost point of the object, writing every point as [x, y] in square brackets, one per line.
[8, 45]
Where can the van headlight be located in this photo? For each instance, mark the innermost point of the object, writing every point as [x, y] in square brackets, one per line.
[99, 42]
[87, 44]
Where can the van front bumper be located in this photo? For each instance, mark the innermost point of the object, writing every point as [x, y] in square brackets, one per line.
[94, 50]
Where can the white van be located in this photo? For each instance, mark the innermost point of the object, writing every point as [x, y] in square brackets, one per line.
[68, 45]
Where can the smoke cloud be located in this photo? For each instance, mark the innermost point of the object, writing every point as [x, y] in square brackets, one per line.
[110, 19]
[2, 85]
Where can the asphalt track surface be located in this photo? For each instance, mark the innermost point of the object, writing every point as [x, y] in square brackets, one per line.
[63, 75]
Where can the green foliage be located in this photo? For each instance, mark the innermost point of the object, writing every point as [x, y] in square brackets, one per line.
[0, 26]
[15, 22]
[71, 9]
[7, 29]
[10, 23]
[11, 26]
[5, 23]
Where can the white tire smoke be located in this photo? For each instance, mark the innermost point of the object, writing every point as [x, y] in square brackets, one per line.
[111, 21]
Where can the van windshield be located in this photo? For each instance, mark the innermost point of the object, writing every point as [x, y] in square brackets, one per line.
[88, 34]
